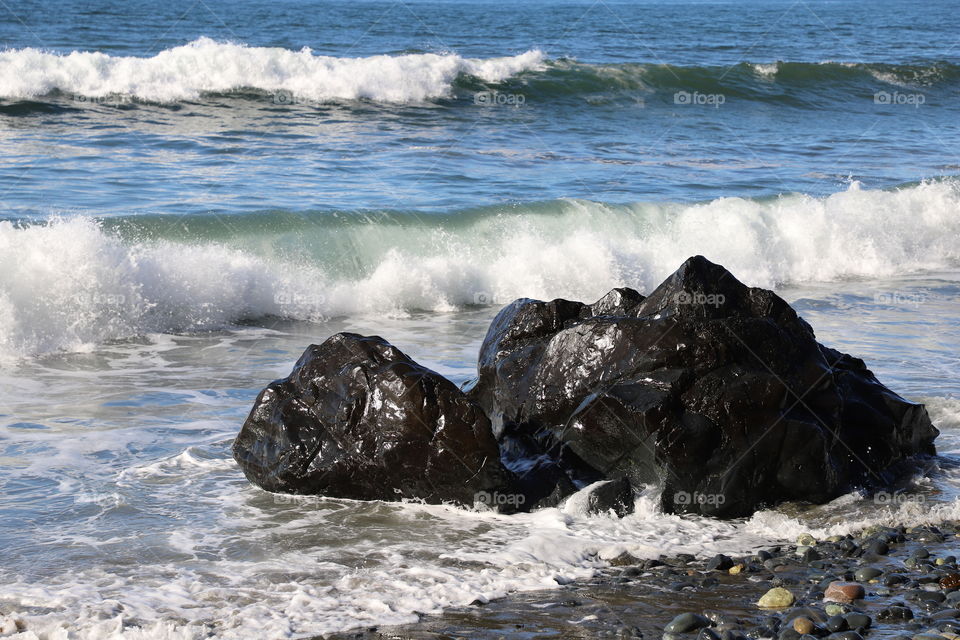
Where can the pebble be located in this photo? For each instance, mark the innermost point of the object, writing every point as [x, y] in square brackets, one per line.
[950, 581]
[802, 625]
[776, 598]
[625, 559]
[686, 622]
[808, 554]
[806, 540]
[707, 634]
[719, 562]
[843, 592]
[866, 574]
[895, 612]
[736, 569]
[834, 610]
[858, 621]
[878, 548]
[836, 623]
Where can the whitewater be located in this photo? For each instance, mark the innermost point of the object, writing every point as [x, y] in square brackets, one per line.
[72, 283]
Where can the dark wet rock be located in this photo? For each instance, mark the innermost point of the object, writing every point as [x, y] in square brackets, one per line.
[625, 559]
[696, 386]
[878, 548]
[849, 547]
[357, 418]
[858, 621]
[686, 622]
[717, 391]
[927, 596]
[946, 614]
[809, 554]
[836, 623]
[614, 495]
[719, 562]
[865, 574]
[895, 613]
[708, 634]
[925, 534]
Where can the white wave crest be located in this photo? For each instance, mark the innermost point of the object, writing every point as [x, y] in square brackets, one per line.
[70, 283]
[206, 66]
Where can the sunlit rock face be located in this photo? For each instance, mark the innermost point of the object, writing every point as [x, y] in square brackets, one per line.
[359, 419]
[717, 392]
[714, 392]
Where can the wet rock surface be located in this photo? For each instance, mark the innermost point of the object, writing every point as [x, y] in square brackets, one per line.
[359, 419]
[716, 391]
[641, 601]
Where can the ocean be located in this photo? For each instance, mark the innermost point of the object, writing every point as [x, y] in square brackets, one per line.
[191, 192]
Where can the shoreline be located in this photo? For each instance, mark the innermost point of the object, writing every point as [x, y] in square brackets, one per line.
[909, 576]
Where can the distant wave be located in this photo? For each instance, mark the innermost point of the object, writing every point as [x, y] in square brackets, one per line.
[71, 282]
[209, 68]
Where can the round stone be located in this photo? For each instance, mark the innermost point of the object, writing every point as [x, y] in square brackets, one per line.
[866, 574]
[776, 598]
[803, 625]
[686, 622]
[845, 592]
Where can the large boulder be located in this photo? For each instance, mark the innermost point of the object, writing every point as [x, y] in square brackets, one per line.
[716, 391]
[359, 419]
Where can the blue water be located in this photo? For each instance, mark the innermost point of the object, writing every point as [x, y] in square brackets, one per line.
[192, 192]
[599, 122]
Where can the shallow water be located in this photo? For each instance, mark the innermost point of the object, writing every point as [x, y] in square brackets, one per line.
[131, 506]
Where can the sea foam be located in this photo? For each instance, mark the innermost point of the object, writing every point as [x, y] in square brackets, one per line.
[71, 282]
[206, 66]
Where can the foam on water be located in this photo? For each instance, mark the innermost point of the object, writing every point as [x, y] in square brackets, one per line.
[217, 582]
[206, 66]
[70, 283]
